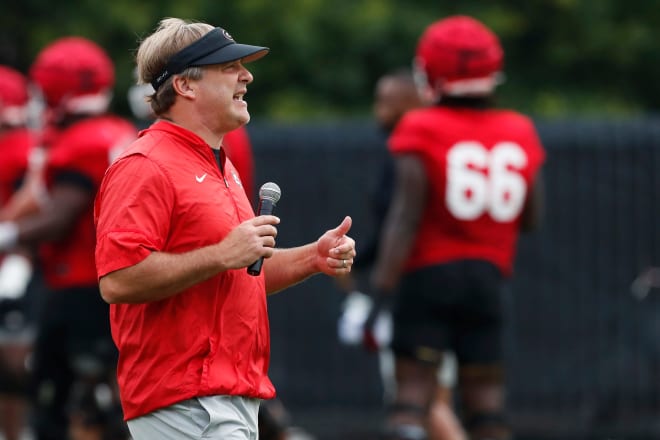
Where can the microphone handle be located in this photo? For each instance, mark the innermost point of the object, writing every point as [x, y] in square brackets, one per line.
[266, 207]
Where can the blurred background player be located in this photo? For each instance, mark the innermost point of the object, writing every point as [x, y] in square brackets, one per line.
[74, 384]
[466, 184]
[395, 93]
[17, 314]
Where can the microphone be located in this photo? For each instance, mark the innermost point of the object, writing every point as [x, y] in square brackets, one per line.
[269, 195]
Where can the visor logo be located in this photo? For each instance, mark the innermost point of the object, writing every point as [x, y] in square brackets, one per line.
[226, 35]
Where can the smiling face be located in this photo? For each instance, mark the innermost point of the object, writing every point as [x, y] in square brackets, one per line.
[220, 94]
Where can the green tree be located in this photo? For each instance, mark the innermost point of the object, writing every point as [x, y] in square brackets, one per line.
[563, 57]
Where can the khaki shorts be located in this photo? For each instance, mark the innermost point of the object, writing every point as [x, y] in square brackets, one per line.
[210, 417]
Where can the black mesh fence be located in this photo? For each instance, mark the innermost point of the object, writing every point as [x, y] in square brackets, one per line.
[584, 338]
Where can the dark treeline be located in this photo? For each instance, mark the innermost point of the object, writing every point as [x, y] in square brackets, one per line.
[588, 58]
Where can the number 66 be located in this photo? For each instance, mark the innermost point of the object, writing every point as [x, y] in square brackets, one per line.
[481, 181]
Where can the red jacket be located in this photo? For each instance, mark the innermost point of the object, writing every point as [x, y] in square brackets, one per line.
[166, 193]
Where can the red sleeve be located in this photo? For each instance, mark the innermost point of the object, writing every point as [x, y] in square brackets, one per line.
[131, 213]
[14, 152]
[90, 147]
[409, 136]
[536, 155]
[239, 150]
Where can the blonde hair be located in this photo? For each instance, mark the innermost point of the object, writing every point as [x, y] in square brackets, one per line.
[171, 35]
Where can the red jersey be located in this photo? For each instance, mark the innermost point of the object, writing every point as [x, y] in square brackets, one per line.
[480, 166]
[15, 148]
[85, 150]
[167, 194]
[237, 145]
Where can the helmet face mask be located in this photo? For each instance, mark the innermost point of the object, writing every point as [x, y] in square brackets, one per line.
[75, 76]
[422, 84]
[460, 57]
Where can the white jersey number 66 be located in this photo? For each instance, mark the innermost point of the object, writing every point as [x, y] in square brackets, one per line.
[481, 181]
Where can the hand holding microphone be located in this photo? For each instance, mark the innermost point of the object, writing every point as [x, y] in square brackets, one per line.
[269, 195]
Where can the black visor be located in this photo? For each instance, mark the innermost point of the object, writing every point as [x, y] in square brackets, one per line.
[216, 47]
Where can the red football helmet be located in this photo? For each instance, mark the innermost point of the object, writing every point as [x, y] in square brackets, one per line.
[459, 56]
[74, 75]
[13, 97]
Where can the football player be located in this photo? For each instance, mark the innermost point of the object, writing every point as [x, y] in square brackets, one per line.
[467, 182]
[73, 344]
[17, 322]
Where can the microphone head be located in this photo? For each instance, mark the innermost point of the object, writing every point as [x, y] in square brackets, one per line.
[270, 191]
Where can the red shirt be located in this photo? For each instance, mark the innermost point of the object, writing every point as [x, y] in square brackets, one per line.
[15, 148]
[480, 165]
[167, 194]
[85, 149]
[237, 145]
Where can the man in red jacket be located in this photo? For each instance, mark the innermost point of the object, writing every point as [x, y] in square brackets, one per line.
[237, 146]
[175, 234]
